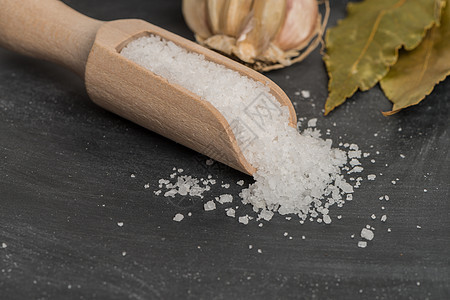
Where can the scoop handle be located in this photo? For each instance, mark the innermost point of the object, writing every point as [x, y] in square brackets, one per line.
[49, 30]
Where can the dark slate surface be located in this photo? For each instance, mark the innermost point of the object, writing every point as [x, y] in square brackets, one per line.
[65, 182]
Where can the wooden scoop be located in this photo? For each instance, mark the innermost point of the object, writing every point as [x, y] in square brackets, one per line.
[50, 30]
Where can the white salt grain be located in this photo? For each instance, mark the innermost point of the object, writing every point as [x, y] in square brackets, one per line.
[4, 245]
[326, 219]
[146, 186]
[371, 177]
[373, 216]
[240, 182]
[305, 94]
[296, 172]
[120, 224]
[367, 234]
[178, 217]
[225, 198]
[244, 219]
[362, 244]
[210, 205]
[312, 122]
[383, 218]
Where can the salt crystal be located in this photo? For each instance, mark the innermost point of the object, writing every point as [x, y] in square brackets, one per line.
[349, 197]
[230, 212]
[362, 244]
[178, 217]
[133, 176]
[402, 156]
[210, 205]
[371, 177]
[265, 214]
[326, 219]
[124, 253]
[312, 122]
[120, 224]
[352, 236]
[303, 237]
[339, 217]
[244, 219]
[226, 185]
[419, 227]
[180, 170]
[367, 234]
[386, 197]
[389, 230]
[297, 93]
[225, 198]
[250, 246]
[305, 94]
[383, 218]
[4, 245]
[209, 162]
[372, 161]
[259, 251]
[146, 186]
[286, 234]
[260, 225]
[240, 182]
[373, 216]
[425, 190]
[189, 214]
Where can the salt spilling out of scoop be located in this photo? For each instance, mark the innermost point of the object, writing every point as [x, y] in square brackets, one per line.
[297, 173]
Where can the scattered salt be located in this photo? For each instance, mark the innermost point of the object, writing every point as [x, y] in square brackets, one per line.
[373, 216]
[146, 186]
[120, 224]
[240, 182]
[225, 198]
[305, 94]
[178, 217]
[326, 219]
[312, 122]
[230, 212]
[367, 234]
[383, 218]
[244, 219]
[371, 177]
[297, 173]
[210, 205]
[133, 176]
[419, 227]
[4, 245]
[362, 244]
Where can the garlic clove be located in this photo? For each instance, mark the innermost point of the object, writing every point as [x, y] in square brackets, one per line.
[300, 24]
[265, 22]
[234, 13]
[194, 12]
[214, 10]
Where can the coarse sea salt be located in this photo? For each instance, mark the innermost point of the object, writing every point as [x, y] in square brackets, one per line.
[297, 173]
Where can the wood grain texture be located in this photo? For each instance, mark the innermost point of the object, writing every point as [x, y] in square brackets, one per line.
[47, 29]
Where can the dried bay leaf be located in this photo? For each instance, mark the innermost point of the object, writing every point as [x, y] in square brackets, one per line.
[416, 73]
[362, 47]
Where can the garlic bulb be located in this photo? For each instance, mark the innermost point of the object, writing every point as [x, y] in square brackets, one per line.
[263, 34]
